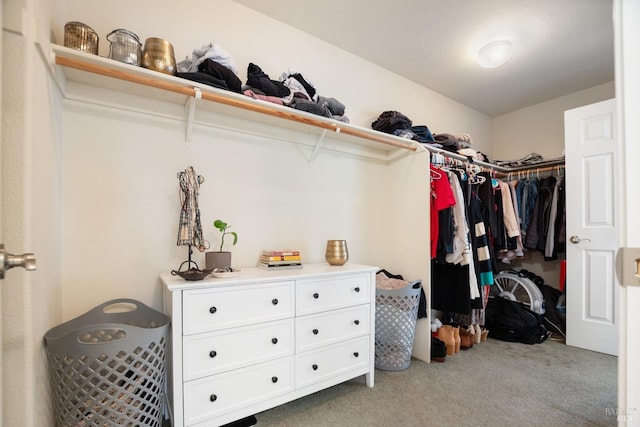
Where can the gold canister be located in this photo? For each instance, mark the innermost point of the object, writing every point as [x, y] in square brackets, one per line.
[337, 252]
[80, 37]
[158, 55]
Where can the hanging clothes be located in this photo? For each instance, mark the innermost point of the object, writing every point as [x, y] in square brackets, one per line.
[488, 219]
[553, 244]
[441, 198]
[461, 274]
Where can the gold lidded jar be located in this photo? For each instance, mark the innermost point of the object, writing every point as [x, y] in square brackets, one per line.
[81, 37]
[124, 46]
[337, 252]
[158, 55]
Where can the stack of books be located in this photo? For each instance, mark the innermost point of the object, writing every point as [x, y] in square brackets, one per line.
[280, 260]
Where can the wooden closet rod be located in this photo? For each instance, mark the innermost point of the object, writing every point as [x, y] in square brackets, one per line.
[226, 100]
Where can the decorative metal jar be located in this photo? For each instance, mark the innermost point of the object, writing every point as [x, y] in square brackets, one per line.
[124, 46]
[158, 55]
[80, 37]
[337, 252]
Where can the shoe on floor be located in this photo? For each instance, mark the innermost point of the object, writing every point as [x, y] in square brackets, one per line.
[438, 350]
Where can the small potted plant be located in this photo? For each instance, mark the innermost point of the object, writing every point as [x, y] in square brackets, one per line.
[221, 259]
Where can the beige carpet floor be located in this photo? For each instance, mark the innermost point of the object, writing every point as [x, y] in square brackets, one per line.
[494, 383]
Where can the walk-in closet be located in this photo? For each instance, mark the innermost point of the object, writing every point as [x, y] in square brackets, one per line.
[93, 147]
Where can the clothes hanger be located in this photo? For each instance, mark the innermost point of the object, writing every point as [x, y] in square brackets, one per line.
[435, 174]
[477, 179]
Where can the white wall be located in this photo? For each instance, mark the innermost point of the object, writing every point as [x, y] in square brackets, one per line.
[540, 128]
[121, 198]
[365, 89]
[122, 201]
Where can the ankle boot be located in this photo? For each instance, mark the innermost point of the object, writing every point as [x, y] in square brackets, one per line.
[466, 338]
[477, 334]
[456, 337]
[455, 332]
[445, 333]
[485, 334]
[438, 350]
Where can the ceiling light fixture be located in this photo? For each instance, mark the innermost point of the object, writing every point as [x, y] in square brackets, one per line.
[495, 54]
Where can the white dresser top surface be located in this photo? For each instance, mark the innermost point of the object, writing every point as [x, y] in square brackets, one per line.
[257, 275]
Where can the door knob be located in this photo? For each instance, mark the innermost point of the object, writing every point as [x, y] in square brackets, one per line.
[577, 239]
[7, 261]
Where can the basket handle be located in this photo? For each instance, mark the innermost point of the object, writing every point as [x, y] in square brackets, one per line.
[101, 313]
[104, 307]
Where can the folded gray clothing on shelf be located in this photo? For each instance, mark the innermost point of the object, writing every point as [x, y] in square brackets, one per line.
[335, 106]
[344, 119]
[310, 107]
[448, 141]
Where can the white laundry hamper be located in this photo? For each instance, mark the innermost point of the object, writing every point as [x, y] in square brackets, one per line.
[396, 317]
[107, 367]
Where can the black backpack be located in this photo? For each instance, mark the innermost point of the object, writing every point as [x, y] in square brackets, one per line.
[555, 320]
[512, 321]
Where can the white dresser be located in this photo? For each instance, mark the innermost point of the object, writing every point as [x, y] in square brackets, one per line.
[246, 344]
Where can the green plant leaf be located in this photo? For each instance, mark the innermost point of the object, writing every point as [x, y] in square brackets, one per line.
[235, 237]
[220, 225]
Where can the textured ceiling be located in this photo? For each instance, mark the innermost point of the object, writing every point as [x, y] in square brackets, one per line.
[560, 46]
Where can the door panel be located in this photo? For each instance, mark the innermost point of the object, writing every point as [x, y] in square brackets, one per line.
[591, 151]
[599, 302]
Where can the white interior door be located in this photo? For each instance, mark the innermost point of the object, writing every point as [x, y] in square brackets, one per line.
[591, 150]
[1, 352]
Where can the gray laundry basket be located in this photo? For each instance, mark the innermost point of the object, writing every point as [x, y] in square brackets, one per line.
[396, 317]
[107, 367]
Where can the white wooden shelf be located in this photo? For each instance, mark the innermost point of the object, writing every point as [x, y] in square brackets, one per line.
[69, 65]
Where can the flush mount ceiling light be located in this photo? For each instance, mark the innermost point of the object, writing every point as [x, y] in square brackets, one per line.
[495, 54]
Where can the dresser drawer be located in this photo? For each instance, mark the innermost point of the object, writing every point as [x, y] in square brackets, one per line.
[330, 361]
[215, 352]
[213, 396]
[215, 309]
[313, 296]
[328, 327]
